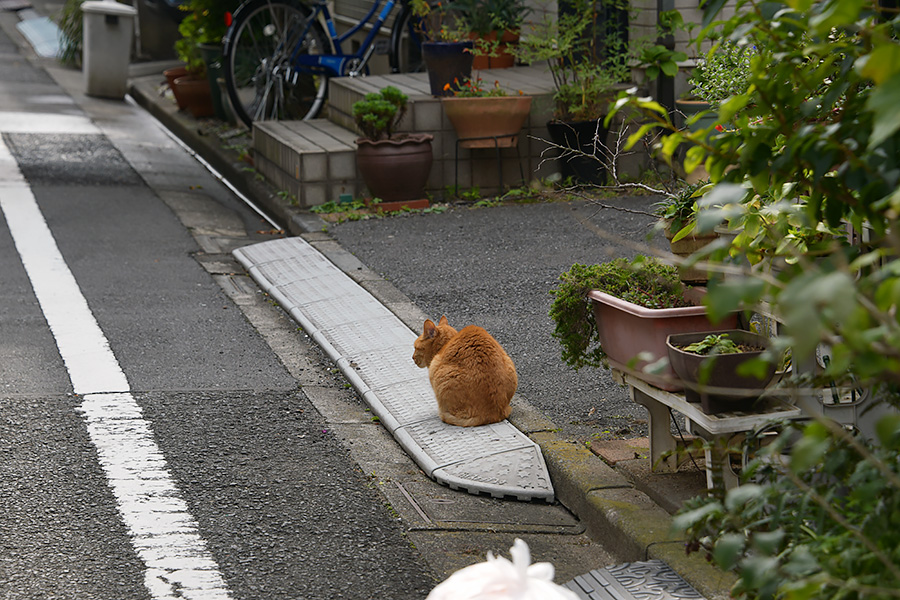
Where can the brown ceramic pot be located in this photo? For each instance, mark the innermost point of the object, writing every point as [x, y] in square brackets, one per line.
[171, 75]
[196, 95]
[396, 170]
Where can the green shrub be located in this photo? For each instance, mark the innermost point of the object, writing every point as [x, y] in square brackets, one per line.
[644, 281]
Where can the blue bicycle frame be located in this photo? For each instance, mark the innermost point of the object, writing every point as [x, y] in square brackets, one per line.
[340, 64]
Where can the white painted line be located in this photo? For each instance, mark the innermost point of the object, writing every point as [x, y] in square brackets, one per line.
[37, 122]
[164, 534]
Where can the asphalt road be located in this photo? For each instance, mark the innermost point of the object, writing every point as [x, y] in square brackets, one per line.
[281, 507]
[229, 455]
[495, 267]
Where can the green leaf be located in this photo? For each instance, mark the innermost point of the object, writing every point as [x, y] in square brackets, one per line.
[808, 451]
[836, 14]
[684, 231]
[768, 542]
[693, 158]
[670, 69]
[888, 429]
[711, 8]
[685, 520]
[638, 135]
[801, 562]
[670, 144]
[728, 550]
[740, 496]
[883, 102]
[881, 64]
[727, 296]
[800, 5]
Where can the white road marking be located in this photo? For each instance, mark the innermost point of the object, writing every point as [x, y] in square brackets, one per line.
[37, 122]
[164, 534]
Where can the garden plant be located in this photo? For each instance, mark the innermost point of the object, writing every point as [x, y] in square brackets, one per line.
[813, 155]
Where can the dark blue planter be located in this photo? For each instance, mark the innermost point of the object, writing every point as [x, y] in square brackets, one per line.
[447, 62]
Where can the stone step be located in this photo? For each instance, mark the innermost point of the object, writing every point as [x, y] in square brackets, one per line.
[477, 167]
[313, 161]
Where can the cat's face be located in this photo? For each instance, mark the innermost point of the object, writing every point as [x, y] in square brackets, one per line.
[430, 342]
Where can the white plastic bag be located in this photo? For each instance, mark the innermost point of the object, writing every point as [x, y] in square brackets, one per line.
[500, 579]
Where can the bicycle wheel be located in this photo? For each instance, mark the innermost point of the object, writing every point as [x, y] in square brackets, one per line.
[406, 43]
[262, 80]
[406, 36]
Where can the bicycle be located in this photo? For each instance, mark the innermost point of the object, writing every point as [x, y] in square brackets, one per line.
[277, 57]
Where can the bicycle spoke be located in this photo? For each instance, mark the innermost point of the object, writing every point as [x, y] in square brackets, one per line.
[264, 81]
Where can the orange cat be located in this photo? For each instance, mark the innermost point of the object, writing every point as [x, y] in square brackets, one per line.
[472, 376]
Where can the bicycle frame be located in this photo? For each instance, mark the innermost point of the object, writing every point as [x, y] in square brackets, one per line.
[340, 64]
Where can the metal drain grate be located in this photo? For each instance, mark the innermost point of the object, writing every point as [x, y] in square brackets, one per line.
[648, 580]
[373, 349]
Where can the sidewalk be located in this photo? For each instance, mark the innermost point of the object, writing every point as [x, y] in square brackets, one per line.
[624, 505]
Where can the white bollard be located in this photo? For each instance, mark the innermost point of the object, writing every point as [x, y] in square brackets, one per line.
[108, 31]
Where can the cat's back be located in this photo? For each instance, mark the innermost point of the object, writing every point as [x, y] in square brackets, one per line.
[474, 343]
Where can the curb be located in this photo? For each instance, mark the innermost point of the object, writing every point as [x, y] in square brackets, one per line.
[612, 509]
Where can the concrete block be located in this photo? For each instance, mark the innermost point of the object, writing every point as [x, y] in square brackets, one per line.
[342, 165]
[428, 117]
[313, 194]
[314, 166]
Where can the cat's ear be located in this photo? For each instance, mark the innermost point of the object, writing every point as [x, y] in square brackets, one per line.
[443, 320]
[429, 331]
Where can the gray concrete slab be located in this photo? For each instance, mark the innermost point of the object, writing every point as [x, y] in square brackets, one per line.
[373, 348]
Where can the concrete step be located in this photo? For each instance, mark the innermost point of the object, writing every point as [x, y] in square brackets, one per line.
[313, 161]
[477, 167]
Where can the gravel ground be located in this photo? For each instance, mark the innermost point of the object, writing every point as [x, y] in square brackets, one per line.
[494, 267]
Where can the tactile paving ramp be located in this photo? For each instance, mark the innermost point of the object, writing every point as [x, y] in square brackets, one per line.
[373, 348]
[648, 580]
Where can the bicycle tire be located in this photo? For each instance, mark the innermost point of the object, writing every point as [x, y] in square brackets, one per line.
[406, 41]
[261, 82]
[406, 44]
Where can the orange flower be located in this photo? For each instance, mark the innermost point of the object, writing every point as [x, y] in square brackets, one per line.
[446, 87]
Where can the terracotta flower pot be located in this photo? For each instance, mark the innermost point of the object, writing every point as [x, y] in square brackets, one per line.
[196, 95]
[686, 246]
[627, 330]
[396, 170]
[171, 75]
[492, 118]
[504, 58]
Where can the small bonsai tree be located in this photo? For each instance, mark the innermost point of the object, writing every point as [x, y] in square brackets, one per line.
[379, 113]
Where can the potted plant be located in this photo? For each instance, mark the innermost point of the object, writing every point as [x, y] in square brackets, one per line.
[202, 29]
[495, 27]
[587, 65]
[722, 370]
[677, 213]
[724, 72]
[446, 49]
[620, 313]
[395, 166]
[486, 118]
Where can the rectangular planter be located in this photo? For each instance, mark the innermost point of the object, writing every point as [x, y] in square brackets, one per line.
[627, 329]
